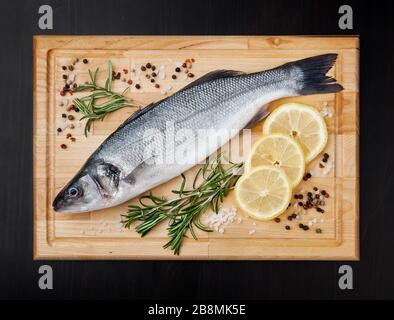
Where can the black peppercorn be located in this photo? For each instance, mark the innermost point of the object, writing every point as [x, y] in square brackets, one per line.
[64, 67]
[138, 86]
[287, 227]
[85, 61]
[177, 69]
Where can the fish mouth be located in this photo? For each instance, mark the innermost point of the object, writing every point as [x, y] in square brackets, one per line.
[58, 203]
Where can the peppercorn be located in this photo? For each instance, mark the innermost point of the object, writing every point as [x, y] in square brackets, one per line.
[125, 71]
[326, 195]
[70, 67]
[300, 196]
[63, 146]
[152, 80]
[143, 68]
[62, 93]
[154, 74]
[148, 65]
[296, 196]
[64, 67]
[301, 225]
[64, 76]
[68, 135]
[85, 61]
[305, 207]
[138, 86]
[177, 69]
[73, 139]
[326, 155]
[190, 75]
[300, 204]
[287, 227]
[75, 85]
[306, 228]
[289, 218]
[153, 68]
[130, 82]
[192, 59]
[318, 230]
[324, 160]
[309, 194]
[76, 109]
[315, 189]
[321, 165]
[184, 65]
[323, 192]
[308, 175]
[277, 220]
[317, 196]
[72, 126]
[70, 117]
[66, 87]
[147, 76]
[294, 216]
[157, 85]
[59, 130]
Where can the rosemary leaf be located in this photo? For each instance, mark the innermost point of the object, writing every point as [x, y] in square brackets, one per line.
[184, 212]
[90, 105]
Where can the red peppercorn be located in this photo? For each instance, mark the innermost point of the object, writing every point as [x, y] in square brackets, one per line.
[277, 220]
[184, 65]
[62, 93]
[63, 146]
[130, 82]
[125, 71]
[157, 85]
[190, 75]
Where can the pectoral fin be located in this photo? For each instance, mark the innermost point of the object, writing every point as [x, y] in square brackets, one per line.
[263, 113]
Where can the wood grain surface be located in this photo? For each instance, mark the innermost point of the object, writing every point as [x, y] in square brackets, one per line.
[98, 235]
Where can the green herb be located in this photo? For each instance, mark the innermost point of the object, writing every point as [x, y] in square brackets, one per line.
[89, 105]
[183, 213]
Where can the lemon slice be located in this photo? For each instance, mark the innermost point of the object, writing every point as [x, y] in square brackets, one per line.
[301, 122]
[264, 192]
[281, 151]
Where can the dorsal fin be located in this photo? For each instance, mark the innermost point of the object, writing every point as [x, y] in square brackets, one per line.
[140, 112]
[217, 74]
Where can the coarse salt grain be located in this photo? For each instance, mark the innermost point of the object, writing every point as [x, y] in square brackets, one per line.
[252, 232]
[224, 217]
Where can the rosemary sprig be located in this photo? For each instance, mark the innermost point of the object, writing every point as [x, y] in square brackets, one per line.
[183, 213]
[89, 105]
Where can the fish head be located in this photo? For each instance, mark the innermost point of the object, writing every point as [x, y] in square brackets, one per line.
[94, 187]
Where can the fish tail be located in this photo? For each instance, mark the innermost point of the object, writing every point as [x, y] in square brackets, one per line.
[310, 75]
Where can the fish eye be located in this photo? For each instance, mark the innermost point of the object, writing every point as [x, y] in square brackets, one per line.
[73, 192]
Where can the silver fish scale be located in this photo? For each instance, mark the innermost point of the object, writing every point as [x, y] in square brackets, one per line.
[208, 105]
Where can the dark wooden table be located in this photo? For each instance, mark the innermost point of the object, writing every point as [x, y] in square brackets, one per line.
[373, 275]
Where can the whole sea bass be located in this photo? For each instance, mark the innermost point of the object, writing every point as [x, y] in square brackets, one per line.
[121, 168]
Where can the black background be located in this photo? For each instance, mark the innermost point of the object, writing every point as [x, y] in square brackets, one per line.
[373, 275]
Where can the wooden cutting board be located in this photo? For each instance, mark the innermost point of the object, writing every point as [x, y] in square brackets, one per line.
[98, 235]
